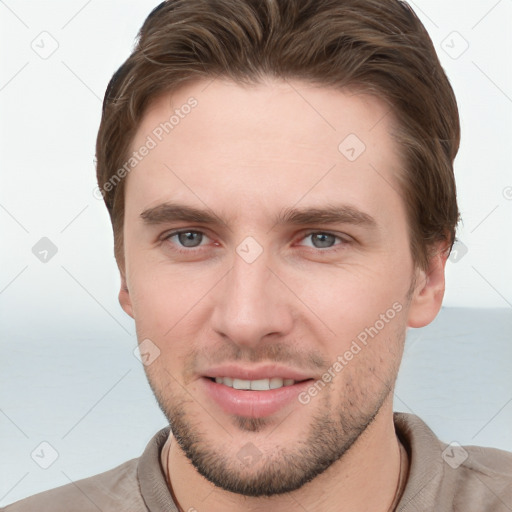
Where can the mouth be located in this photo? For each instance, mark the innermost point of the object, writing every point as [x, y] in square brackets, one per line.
[257, 384]
[254, 398]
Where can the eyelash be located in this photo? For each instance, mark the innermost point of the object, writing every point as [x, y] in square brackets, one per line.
[191, 250]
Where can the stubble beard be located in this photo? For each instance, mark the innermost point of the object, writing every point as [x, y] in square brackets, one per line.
[282, 469]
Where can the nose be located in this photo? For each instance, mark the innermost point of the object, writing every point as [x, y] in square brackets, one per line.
[252, 303]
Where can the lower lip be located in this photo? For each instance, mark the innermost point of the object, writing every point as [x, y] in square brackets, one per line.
[253, 404]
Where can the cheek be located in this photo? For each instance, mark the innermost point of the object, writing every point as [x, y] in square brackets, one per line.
[371, 358]
[348, 300]
[165, 299]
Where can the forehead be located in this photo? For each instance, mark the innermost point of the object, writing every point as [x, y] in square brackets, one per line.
[233, 146]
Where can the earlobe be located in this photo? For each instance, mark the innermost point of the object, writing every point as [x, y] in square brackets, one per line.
[428, 294]
[124, 297]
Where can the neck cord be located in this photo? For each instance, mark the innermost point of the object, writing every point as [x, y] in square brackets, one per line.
[398, 493]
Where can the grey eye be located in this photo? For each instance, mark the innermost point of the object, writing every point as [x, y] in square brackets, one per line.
[322, 240]
[190, 238]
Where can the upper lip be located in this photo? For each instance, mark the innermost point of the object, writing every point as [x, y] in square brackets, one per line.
[267, 371]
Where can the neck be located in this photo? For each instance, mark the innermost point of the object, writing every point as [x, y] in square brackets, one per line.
[364, 479]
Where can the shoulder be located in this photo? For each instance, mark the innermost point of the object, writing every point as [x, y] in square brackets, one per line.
[113, 490]
[446, 476]
[479, 478]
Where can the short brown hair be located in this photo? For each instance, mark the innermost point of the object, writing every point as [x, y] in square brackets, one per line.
[376, 46]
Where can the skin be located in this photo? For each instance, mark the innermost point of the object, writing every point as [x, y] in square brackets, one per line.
[246, 153]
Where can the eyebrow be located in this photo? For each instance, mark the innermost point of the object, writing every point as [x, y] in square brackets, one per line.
[330, 214]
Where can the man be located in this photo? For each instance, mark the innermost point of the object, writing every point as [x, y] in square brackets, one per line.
[279, 175]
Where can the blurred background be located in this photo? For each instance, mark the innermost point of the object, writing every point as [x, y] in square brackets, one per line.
[69, 375]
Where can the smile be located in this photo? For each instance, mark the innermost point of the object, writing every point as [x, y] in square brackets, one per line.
[255, 385]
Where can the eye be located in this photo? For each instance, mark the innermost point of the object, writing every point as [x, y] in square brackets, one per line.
[189, 239]
[324, 240]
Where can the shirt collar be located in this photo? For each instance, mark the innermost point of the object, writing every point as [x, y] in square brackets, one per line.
[426, 467]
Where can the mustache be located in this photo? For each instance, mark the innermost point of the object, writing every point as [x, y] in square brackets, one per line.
[266, 352]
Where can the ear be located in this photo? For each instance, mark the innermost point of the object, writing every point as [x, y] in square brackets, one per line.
[428, 293]
[124, 296]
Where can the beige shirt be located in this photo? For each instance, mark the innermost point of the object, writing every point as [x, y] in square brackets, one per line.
[441, 478]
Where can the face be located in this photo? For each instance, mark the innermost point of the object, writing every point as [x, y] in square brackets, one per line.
[268, 270]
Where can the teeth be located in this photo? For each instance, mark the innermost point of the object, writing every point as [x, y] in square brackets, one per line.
[276, 382]
[241, 384]
[255, 385]
[260, 385]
